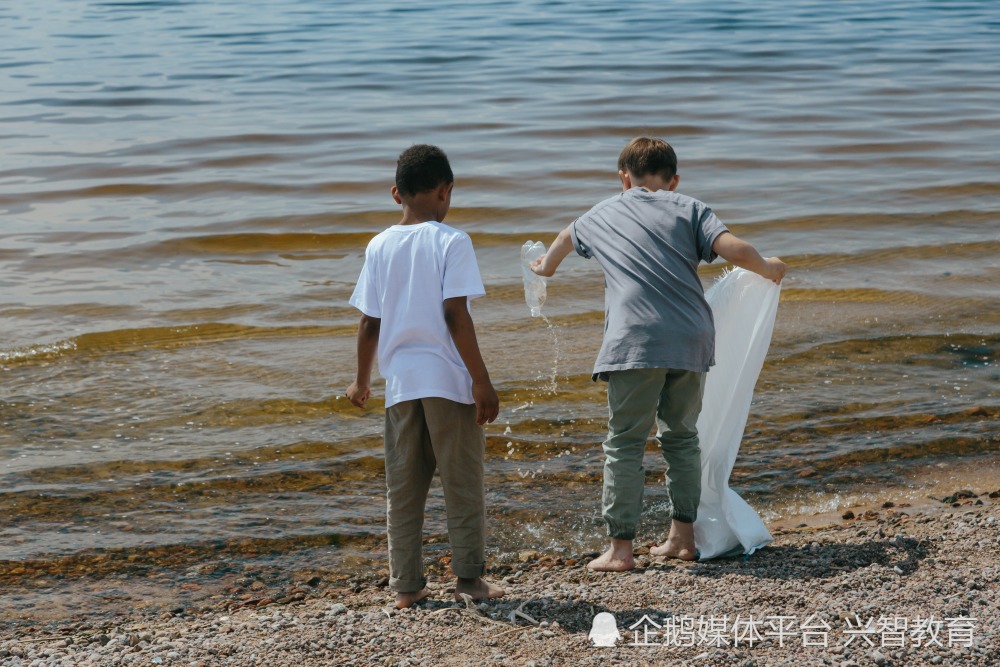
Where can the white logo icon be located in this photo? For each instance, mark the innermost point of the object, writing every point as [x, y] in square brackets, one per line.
[605, 630]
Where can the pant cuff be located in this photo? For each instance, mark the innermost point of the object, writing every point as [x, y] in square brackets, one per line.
[684, 517]
[468, 570]
[620, 532]
[407, 585]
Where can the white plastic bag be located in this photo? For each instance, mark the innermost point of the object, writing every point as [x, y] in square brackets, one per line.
[534, 284]
[744, 306]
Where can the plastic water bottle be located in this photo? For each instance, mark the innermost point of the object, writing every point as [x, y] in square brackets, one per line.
[534, 284]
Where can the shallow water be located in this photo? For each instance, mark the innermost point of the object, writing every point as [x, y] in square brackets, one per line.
[186, 191]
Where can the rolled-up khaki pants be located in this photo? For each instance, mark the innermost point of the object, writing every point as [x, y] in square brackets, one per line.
[421, 435]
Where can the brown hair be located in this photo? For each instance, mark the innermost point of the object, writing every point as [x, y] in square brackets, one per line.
[645, 155]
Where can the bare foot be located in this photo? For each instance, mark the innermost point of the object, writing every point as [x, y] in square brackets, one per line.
[679, 544]
[674, 549]
[406, 600]
[618, 558]
[478, 588]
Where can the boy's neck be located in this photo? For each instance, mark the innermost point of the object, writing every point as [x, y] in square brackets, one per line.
[650, 182]
[427, 206]
[411, 217]
[654, 184]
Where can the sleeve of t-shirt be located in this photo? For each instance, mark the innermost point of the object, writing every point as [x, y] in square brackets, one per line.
[461, 272]
[365, 297]
[586, 230]
[579, 234]
[708, 228]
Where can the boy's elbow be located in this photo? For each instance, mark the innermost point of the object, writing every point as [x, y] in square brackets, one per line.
[456, 312]
[370, 325]
[738, 255]
[730, 248]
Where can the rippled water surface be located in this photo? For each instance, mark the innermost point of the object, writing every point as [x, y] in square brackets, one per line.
[187, 188]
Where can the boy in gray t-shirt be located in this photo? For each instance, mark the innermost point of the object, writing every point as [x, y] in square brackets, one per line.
[659, 337]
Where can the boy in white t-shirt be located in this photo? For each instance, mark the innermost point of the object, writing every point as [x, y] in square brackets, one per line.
[413, 292]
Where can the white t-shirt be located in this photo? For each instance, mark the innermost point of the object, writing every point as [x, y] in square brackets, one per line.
[409, 271]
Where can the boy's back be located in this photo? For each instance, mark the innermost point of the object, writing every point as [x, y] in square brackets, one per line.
[649, 245]
[414, 293]
[409, 271]
[659, 337]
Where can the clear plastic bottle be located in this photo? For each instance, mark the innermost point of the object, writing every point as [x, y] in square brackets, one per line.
[534, 284]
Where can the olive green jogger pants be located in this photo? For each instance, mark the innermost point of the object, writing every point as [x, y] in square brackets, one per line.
[638, 398]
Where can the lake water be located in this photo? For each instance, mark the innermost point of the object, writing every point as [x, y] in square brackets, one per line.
[187, 188]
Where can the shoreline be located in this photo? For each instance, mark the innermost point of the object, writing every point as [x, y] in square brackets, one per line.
[901, 563]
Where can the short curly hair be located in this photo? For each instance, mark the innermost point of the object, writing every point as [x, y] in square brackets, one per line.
[645, 155]
[422, 168]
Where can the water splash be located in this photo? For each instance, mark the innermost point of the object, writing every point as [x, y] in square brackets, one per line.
[554, 334]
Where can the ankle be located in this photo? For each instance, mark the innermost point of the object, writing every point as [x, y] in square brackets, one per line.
[619, 545]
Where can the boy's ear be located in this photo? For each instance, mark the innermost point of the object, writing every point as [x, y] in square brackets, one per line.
[446, 190]
[625, 179]
[395, 194]
[673, 182]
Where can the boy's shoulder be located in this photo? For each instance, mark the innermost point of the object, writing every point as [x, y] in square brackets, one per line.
[436, 234]
[683, 199]
[449, 233]
[662, 197]
[433, 229]
[596, 208]
[666, 198]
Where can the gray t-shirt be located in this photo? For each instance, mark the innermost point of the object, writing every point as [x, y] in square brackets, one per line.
[649, 245]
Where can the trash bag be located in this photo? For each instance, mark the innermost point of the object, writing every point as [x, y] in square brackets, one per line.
[744, 306]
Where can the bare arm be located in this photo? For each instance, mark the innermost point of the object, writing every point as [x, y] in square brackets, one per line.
[733, 249]
[463, 332]
[547, 264]
[368, 331]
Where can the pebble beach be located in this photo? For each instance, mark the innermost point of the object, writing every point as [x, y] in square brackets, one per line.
[886, 585]
[187, 191]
